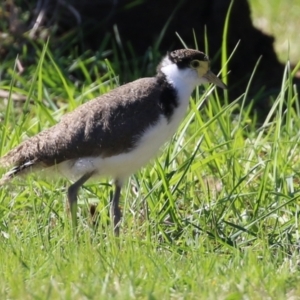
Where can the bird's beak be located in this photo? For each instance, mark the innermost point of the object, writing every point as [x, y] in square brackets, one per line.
[212, 78]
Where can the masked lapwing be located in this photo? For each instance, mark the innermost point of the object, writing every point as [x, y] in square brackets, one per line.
[117, 133]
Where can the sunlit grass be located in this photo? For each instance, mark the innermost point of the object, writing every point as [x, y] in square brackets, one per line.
[216, 211]
[214, 216]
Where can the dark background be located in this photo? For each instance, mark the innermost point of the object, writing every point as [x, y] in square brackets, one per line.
[135, 27]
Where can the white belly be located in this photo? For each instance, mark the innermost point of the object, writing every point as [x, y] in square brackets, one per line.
[123, 165]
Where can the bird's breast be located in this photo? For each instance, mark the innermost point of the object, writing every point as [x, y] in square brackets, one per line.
[124, 164]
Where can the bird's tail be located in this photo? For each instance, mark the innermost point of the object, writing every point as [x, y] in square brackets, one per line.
[20, 164]
[17, 170]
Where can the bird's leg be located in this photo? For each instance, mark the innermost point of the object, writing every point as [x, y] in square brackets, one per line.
[115, 213]
[72, 196]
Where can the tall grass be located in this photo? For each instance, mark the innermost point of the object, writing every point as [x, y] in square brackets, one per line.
[215, 216]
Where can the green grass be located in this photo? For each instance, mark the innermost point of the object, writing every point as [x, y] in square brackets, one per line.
[215, 216]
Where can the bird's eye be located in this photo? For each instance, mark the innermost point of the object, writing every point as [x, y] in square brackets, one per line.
[195, 64]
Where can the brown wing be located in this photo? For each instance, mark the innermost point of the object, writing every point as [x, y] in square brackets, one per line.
[105, 126]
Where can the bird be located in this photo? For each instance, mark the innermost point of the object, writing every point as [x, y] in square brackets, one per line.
[117, 133]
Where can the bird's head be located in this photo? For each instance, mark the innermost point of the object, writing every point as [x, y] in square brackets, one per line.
[189, 65]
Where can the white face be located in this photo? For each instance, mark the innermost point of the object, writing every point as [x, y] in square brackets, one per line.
[190, 76]
[198, 72]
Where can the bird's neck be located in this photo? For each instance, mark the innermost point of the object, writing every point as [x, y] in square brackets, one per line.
[180, 79]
